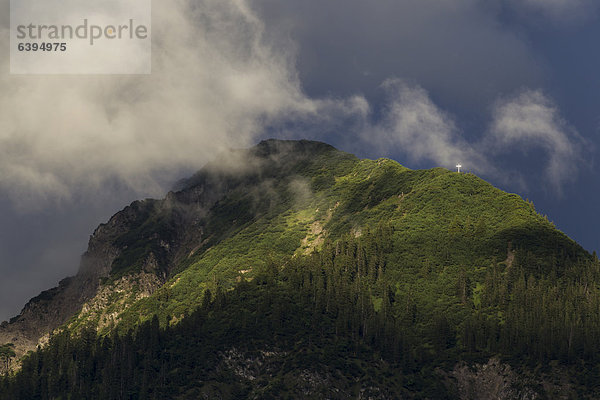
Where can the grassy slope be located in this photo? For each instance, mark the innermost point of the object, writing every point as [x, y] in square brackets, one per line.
[446, 225]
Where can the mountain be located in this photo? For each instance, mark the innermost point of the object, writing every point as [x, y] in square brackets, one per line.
[293, 269]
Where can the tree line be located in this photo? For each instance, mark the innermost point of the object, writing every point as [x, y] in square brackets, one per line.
[341, 303]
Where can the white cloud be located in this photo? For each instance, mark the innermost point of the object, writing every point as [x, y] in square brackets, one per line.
[530, 119]
[218, 81]
[413, 124]
[215, 84]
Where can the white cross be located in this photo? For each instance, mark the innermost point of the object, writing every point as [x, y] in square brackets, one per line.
[458, 167]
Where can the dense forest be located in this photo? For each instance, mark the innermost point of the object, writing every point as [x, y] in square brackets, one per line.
[336, 312]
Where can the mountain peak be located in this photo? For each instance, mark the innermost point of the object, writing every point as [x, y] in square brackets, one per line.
[269, 158]
[443, 257]
[270, 147]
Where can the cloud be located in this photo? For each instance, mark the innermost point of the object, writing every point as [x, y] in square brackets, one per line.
[413, 124]
[224, 74]
[529, 120]
[456, 49]
[216, 83]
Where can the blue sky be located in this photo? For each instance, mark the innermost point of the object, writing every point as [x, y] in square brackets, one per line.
[509, 88]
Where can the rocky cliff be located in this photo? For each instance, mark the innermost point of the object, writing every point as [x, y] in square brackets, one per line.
[151, 238]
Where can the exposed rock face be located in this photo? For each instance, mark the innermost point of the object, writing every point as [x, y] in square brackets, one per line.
[111, 299]
[495, 380]
[258, 369]
[492, 380]
[53, 307]
[151, 237]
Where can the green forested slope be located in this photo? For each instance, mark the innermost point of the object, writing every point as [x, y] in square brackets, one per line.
[370, 275]
[445, 225]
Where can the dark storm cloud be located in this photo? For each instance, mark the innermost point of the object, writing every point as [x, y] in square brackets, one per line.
[558, 11]
[224, 72]
[455, 73]
[455, 49]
